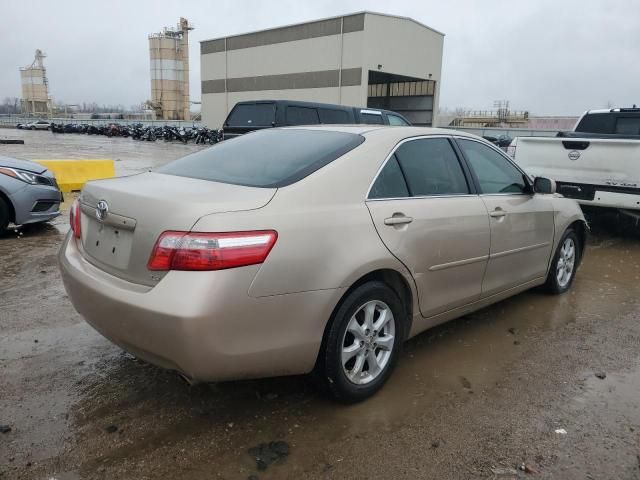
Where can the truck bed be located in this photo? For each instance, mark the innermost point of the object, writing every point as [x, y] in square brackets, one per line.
[601, 170]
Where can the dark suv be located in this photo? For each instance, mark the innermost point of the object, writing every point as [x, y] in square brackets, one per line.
[255, 115]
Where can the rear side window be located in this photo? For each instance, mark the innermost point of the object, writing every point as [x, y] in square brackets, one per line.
[266, 158]
[302, 116]
[371, 118]
[431, 167]
[253, 114]
[390, 182]
[333, 116]
[628, 125]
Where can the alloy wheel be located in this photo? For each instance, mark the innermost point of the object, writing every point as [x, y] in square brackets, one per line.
[566, 262]
[368, 342]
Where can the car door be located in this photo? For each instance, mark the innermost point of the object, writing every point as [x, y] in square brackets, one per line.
[426, 211]
[522, 223]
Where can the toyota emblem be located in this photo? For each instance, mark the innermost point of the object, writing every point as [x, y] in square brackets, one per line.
[102, 210]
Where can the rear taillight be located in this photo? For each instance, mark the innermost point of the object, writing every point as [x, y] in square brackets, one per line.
[74, 218]
[210, 251]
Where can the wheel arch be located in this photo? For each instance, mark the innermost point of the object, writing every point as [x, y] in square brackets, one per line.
[390, 277]
[9, 204]
[582, 230]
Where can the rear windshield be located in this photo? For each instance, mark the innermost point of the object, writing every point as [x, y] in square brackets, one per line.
[265, 158]
[610, 123]
[596, 123]
[253, 114]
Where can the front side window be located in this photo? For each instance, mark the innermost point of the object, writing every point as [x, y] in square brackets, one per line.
[269, 158]
[302, 116]
[495, 173]
[371, 118]
[431, 167]
[396, 121]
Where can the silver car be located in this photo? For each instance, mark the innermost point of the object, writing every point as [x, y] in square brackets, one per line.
[38, 125]
[312, 249]
[29, 193]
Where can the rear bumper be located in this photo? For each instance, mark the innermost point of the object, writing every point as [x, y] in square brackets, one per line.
[601, 195]
[202, 324]
[614, 200]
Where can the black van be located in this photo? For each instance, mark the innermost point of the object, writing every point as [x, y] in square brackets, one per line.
[255, 115]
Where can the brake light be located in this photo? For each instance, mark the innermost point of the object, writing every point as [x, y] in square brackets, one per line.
[210, 251]
[74, 218]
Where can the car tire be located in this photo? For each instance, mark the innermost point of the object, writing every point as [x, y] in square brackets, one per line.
[4, 217]
[565, 263]
[343, 370]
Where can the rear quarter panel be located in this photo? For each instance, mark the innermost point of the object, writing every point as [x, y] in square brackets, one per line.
[326, 238]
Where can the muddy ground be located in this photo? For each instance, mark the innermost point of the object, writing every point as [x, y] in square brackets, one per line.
[475, 398]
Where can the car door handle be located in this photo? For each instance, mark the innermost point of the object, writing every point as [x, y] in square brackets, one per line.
[398, 220]
[497, 213]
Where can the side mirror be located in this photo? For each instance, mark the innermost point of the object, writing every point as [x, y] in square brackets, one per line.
[544, 185]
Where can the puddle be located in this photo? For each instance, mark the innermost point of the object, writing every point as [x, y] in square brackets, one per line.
[617, 392]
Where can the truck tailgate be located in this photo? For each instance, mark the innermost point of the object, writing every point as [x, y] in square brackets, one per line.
[591, 161]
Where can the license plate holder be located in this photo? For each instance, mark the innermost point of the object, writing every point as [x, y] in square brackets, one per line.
[108, 244]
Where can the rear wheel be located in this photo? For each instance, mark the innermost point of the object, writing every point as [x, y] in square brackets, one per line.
[565, 263]
[362, 344]
[4, 217]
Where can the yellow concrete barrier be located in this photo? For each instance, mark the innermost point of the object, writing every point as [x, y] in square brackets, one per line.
[73, 174]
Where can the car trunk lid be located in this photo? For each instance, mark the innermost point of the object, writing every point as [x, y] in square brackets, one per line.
[122, 218]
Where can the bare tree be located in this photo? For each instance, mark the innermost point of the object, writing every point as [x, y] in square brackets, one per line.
[10, 106]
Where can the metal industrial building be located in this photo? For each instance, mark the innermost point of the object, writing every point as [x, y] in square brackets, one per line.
[169, 54]
[363, 59]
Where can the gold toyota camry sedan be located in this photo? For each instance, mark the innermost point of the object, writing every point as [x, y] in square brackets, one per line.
[312, 249]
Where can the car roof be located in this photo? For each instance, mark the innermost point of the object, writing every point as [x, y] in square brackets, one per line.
[296, 102]
[385, 130]
[301, 103]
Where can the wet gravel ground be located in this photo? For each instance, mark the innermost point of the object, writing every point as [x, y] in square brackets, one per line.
[478, 397]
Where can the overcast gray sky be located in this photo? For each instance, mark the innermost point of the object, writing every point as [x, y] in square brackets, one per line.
[547, 56]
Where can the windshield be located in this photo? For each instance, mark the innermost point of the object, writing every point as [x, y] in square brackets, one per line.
[266, 158]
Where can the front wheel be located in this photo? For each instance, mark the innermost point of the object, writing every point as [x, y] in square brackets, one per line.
[564, 264]
[361, 347]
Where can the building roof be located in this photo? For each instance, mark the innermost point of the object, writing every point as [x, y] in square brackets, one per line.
[365, 12]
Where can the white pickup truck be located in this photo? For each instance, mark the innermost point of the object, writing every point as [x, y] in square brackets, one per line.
[598, 163]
